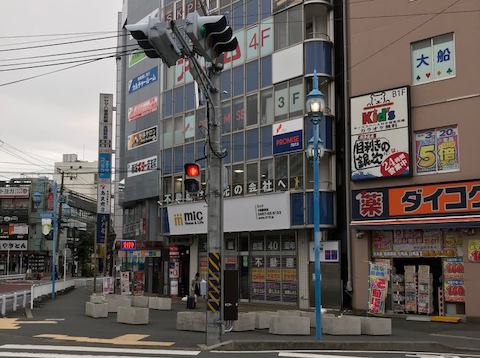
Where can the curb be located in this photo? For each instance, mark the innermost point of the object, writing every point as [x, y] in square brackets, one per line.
[420, 346]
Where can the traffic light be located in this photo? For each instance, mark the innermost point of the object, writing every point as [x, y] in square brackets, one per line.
[211, 35]
[155, 38]
[192, 178]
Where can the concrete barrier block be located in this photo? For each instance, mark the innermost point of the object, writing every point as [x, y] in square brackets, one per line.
[245, 322]
[263, 318]
[343, 326]
[290, 325]
[96, 310]
[113, 305]
[140, 301]
[290, 313]
[192, 321]
[375, 326]
[97, 299]
[132, 315]
[160, 303]
[313, 318]
[327, 324]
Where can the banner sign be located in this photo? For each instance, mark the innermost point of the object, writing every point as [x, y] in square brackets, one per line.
[143, 80]
[105, 125]
[142, 166]
[288, 136]
[13, 245]
[416, 243]
[103, 227]
[108, 285]
[136, 56]
[437, 151]
[474, 250]
[125, 283]
[380, 132]
[103, 198]
[143, 108]
[138, 282]
[14, 192]
[453, 279]
[377, 293]
[266, 212]
[104, 166]
[143, 137]
[428, 200]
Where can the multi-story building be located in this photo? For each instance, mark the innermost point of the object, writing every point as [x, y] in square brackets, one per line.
[415, 189]
[268, 206]
[82, 176]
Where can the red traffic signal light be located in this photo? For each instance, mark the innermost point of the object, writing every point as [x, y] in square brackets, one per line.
[192, 170]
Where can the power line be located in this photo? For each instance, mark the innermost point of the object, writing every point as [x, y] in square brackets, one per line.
[60, 34]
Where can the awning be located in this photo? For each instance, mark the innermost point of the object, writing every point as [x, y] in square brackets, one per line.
[442, 222]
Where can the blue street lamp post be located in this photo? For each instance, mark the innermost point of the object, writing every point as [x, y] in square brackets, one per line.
[315, 110]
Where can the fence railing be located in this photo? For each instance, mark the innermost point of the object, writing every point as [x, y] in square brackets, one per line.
[12, 277]
[16, 299]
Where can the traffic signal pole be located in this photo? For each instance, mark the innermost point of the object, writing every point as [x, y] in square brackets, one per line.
[215, 215]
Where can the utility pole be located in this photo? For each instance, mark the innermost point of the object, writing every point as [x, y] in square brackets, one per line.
[215, 213]
[57, 228]
[59, 223]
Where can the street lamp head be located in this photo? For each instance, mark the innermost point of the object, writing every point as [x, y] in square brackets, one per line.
[311, 149]
[315, 105]
[36, 199]
[67, 211]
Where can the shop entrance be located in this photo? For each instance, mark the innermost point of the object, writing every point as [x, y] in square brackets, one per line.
[422, 281]
[243, 273]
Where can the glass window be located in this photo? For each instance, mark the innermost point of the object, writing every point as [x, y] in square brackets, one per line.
[296, 97]
[167, 133]
[252, 12]
[190, 94]
[281, 102]
[252, 75]
[266, 8]
[178, 187]
[201, 123]
[252, 178]
[280, 33]
[179, 130]
[266, 175]
[266, 71]
[281, 173]
[238, 147]
[296, 171]
[252, 110]
[178, 160]
[168, 77]
[200, 156]
[238, 81]
[225, 85]
[189, 130]
[237, 179]
[179, 100]
[227, 117]
[266, 141]
[251, 144]
[167, 162]
[238, 114]
[189, 153]
[226, 143]
[167, 188]
[266, 107]
[295, 25]
[168, 103]
[237, 11]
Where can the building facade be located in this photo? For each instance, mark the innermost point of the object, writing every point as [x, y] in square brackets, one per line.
[82, 175]
[415, 189]
[268, 189]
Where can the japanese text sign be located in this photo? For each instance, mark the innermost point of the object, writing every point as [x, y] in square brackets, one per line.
[104, 165]
[474, 250]
[379, 275]
[143, 108]
[103, 227]
[436, 150]
[142, 166]
[458, 198]
[143, 80]
[380, 134]
[144, 137]
[14, 192]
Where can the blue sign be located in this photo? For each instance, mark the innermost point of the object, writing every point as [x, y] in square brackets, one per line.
[103, 226]
[47, 215]
[287, 142]
[104, 165]
[130, 245]
[143, 80]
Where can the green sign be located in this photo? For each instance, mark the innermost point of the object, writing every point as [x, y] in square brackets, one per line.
[136, 56]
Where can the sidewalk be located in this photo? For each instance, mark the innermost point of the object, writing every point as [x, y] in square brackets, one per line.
[69, 312]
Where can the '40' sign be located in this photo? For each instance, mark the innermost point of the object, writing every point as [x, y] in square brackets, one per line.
[252, 43]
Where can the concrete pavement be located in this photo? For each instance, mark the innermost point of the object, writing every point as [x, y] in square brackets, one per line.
[72, 326]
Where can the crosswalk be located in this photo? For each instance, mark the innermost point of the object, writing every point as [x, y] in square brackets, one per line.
[65, 351]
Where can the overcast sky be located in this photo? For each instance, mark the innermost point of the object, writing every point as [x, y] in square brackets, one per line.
[56, 113]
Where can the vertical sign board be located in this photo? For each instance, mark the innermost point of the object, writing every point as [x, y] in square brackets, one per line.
[380, 134]
[104, 167]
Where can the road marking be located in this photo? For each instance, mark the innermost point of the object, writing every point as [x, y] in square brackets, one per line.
[450, 336]
[346, 351]
[14, 323]
[99, 349]
[55, 355]
[127, 339]
[310, 355]
[54, 319]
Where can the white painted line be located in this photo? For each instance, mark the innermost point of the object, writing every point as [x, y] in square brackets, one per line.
[54, 319]
[99, 349]
[310, 355]
[450, 336]
[55, 355]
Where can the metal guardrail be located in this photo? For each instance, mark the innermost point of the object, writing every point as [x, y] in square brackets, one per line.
[11, 300]
[12, 277]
